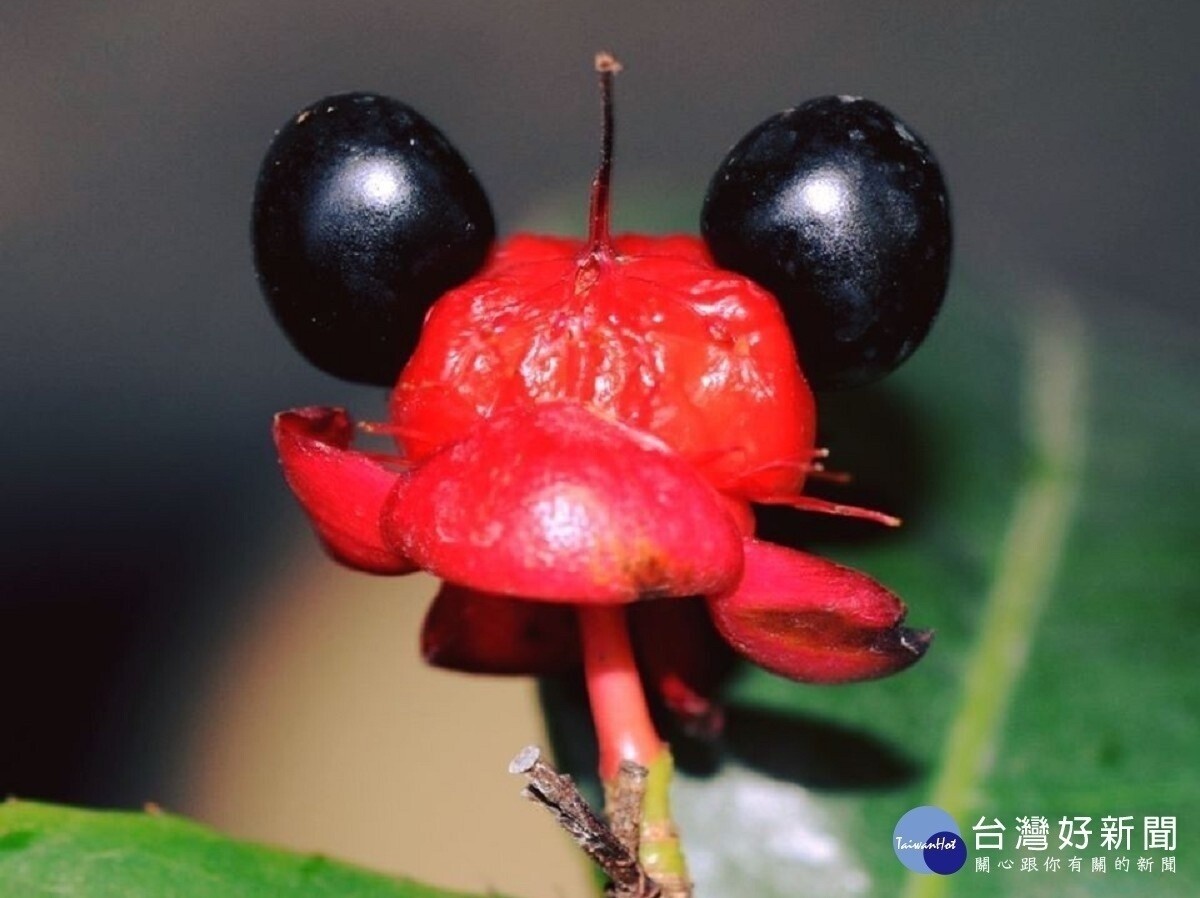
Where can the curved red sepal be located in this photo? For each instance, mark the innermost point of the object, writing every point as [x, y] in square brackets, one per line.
[815, 621]
[343, 491]
[476, 632]
[553, 502]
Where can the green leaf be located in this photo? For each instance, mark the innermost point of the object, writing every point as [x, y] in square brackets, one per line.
[47, 850]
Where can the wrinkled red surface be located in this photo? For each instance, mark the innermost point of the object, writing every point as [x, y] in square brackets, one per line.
[651, 334]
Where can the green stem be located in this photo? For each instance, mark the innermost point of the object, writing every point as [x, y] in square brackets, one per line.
[1055, 401]
[660, 851]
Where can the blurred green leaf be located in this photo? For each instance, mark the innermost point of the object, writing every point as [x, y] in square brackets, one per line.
[64, 852]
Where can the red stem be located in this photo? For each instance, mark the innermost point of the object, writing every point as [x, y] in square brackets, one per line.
[623, 726]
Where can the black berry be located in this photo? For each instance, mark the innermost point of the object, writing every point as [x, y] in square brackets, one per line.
[364, 214]
[840, 210]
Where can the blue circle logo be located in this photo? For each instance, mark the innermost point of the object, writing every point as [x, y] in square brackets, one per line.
[927, 840]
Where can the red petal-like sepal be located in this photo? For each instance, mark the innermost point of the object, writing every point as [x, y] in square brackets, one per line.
[554, 502]
[476, 632]
[813, 620]
[343, 491]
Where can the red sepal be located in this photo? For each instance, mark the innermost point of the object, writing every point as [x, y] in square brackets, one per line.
[553, 502]
[477, 632]
[815, 621]
[343, 491]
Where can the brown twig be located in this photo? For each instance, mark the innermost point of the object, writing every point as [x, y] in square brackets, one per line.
[623, 805]
[559, 794]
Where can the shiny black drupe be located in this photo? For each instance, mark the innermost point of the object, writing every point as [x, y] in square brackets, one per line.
[364, 214]
[840, 210]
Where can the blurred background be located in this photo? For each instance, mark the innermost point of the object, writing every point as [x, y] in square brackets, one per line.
[168, 630]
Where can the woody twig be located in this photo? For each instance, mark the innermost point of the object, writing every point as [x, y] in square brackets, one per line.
[612, 848]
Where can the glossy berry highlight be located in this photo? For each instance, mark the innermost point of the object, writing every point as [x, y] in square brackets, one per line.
[364, 214]
[841, 211]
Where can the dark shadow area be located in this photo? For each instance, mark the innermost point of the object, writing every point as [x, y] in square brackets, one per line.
[106, 611]
[814, 753]
[878, 436]
[57, 686]
[572, 735]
